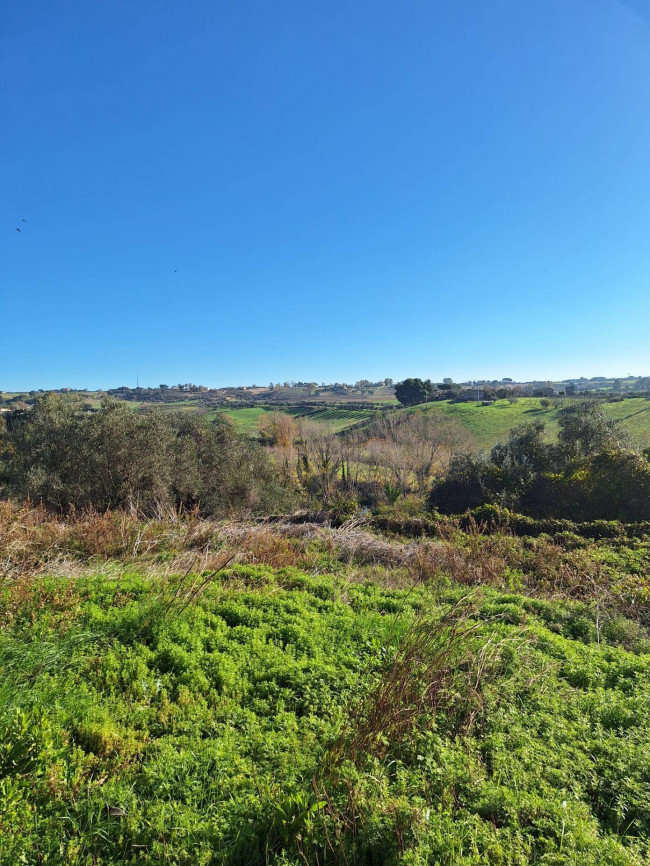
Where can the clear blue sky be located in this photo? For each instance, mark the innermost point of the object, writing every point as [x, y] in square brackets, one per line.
[229, 193]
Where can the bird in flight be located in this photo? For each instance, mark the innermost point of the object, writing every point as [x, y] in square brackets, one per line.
[24, 220]
[17, 230]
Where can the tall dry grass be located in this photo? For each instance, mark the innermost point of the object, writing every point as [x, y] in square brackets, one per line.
[439, 663]
[442, 665]
[35, 542]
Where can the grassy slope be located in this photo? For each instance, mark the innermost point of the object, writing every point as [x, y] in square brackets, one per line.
[486, 424]
[635, 415]
[207, 726]
[332, 419]
[491, 424]
[245, 419]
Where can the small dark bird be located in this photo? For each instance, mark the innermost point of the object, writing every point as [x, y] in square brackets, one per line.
[24, 221]
[175, 270]
[17, 230]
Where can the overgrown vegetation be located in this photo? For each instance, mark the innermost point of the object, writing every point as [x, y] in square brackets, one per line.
[590, 474]
[60, 455]
[328, 685]
[364, 713]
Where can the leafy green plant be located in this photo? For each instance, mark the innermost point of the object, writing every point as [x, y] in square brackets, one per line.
[20, 743]
[292, 819]
[286, 717]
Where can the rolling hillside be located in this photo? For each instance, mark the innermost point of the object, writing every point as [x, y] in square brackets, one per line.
[491, 424]
[333, 419]
[487, 425]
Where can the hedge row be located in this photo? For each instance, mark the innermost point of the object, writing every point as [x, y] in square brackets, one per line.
[492, 518]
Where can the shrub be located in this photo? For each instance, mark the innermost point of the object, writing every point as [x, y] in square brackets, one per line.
[588, 476]
[62, 456]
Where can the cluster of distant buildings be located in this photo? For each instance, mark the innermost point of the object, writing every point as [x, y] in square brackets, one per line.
[483, 390]
[480, 390]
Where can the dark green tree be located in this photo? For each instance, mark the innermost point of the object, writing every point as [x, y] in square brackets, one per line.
[410, 392]
[525, 450]
[463, 487]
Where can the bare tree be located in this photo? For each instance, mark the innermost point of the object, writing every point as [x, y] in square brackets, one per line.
[320, 459]
[409, 450]
[279, 431]
[277, 428]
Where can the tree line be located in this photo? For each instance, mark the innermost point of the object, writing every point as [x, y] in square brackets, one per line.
[61, 453]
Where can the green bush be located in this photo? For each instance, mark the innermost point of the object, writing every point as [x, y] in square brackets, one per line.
[590, 475]
[62, 456]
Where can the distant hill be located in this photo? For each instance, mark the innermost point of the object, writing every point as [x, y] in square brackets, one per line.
[491, 424]
[486, 425]
[338, 410]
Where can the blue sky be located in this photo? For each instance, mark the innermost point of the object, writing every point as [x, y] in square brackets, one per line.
[229, 193]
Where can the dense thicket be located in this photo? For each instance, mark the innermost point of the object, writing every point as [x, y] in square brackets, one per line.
[590, 474]
[63, 456]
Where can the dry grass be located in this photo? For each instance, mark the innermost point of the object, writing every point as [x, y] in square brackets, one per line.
[275, 545]
[194, 583]
[34, 542]
[438, 663]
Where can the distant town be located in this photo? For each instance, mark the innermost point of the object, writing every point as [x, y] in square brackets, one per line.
[362, 391]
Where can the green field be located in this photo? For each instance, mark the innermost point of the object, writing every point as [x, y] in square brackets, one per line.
[634, 414]
[488, 425]
[246, 420]
[333, 420]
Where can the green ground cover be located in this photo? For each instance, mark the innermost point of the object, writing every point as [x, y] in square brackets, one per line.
[245, 728]
[491, 424]
[633, 413]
